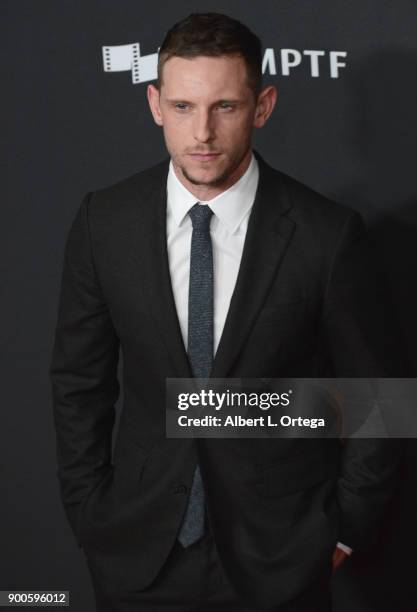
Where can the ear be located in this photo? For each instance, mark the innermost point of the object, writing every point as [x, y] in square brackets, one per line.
[153, 100]
[265, 105]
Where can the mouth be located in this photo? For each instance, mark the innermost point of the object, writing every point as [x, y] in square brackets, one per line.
[204, 157]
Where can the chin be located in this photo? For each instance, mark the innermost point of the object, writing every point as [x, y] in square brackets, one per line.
[205, 180]
[202, 177]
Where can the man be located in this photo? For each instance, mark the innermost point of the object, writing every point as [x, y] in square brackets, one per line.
[212, 264]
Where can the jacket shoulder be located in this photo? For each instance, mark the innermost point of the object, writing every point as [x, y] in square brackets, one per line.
[305, 205]
[134, 189]
[308, 200]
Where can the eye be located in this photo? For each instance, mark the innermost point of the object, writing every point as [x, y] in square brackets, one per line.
[181, 106]
[225, 106]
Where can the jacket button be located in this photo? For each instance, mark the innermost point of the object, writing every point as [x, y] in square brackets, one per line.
[179, 490]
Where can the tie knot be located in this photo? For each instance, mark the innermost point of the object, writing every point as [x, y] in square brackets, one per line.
[200, 217]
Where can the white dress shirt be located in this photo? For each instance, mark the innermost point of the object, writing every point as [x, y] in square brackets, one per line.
[231, 210]
[228, 227]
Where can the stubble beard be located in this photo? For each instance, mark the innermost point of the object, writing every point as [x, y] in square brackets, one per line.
[214, 182]
[217, 181]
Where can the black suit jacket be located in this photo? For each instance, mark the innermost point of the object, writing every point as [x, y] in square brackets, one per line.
[306, 304]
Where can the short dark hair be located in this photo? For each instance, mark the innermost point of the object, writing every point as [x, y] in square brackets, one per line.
[213, 35]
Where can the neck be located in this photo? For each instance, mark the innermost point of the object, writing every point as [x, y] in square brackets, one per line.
[204, 192]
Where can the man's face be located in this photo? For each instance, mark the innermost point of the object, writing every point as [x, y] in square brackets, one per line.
[207, 111]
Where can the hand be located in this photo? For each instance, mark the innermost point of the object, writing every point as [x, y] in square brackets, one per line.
[339, 556]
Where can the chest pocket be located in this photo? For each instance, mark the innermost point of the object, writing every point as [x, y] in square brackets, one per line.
[278, 313]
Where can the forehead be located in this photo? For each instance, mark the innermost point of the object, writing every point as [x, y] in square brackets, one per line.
[217, 77]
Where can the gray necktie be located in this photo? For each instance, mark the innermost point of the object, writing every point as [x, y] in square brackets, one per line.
[200, 346]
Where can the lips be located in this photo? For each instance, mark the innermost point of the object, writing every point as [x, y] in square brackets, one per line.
[204, 156]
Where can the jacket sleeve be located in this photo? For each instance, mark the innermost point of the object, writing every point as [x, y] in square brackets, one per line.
[362, 340]
[83, 372]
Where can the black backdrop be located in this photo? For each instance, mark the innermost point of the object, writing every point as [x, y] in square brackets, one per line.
[72, 127]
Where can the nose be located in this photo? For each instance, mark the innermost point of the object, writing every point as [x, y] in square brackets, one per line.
[203, 126]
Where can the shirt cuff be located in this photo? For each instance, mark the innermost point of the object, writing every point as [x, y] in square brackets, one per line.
[346, 549]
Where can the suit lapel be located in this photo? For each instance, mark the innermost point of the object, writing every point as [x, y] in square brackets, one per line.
[267, 238]
[157, 278]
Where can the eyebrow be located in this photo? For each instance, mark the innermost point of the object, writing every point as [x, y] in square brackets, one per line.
[223, 100]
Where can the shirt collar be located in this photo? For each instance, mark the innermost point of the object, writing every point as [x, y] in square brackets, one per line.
[230, 206]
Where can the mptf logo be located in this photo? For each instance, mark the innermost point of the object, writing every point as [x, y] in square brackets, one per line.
[127, 58]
